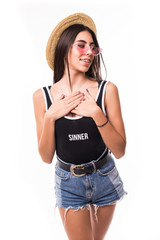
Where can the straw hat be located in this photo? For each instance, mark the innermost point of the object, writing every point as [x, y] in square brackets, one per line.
[77, 18]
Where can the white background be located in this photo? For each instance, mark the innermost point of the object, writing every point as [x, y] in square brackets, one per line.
[128, 32]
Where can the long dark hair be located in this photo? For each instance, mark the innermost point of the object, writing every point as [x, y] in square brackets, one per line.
[62, 48]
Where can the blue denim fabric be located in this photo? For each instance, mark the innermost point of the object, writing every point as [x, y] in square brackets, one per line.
[99, 188]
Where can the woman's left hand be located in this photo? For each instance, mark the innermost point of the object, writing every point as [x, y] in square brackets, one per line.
[87, 107]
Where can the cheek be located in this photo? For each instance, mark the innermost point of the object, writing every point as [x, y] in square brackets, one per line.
[74, 58]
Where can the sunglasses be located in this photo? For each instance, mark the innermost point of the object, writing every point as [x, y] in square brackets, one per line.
[83, 48]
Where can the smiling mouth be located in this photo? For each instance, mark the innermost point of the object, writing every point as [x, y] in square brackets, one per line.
[86, 60]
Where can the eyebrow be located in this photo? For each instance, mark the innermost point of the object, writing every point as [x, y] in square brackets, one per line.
[85, 42]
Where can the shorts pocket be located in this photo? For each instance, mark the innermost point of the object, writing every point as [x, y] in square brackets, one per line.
[107, 168]
[62, 174]
[105, 171]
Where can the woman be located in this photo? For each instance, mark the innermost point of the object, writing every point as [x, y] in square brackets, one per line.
[79, 117]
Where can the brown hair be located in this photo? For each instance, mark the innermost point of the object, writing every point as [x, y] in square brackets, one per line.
[62, 48]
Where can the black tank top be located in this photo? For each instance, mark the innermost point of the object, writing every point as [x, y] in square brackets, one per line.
[78, 139]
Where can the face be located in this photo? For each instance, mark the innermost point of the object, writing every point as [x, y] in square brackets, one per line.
[79, 59]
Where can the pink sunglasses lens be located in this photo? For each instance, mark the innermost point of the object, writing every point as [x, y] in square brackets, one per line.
[96, 51]
[83, 49]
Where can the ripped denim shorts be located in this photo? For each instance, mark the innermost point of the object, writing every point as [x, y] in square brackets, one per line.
[103, 187]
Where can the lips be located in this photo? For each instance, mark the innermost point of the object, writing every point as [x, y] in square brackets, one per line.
[87, 60]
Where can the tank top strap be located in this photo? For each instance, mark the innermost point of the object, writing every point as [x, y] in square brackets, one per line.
[99, 83]
[101, 95]
[47, 96]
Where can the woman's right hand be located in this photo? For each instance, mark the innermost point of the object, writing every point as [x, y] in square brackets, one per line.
[64, 105]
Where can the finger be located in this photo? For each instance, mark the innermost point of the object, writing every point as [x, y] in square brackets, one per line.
[87, 92]
[79, 97]
[62, 97]
[74, 111]
[88, 95]
[73, 95]
[73, 105]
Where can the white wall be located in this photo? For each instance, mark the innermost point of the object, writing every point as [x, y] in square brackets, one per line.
[128, 32]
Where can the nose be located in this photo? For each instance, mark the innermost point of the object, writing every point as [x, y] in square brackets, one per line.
[88, 50]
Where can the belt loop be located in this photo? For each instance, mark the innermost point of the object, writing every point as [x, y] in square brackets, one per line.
[71, 167]
[94, 166]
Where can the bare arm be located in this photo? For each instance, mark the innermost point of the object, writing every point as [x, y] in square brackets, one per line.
[45, 120]
[45, 128]
[113, 133]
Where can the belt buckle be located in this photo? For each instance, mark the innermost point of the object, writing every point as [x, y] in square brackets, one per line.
[75, 166]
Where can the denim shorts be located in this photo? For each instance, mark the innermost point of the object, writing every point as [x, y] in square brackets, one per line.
[103, 187]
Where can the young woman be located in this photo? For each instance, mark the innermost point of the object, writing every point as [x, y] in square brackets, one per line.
[79, 117]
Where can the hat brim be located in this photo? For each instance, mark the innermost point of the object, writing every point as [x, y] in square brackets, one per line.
[77, 18]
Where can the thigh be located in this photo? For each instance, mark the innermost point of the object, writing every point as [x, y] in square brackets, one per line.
[101, 220]
[77, 223]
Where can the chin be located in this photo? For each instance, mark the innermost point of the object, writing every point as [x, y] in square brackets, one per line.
[84, 69]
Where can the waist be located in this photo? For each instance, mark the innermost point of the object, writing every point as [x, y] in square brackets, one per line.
[83, 169]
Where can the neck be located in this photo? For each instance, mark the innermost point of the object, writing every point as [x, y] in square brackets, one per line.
[78, 79]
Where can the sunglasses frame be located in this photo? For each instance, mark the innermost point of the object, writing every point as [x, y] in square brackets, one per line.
[84, 50]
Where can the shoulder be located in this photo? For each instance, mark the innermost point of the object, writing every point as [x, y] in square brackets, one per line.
[111, 93]
[38, 98]
[111, 88]
[37, 94]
